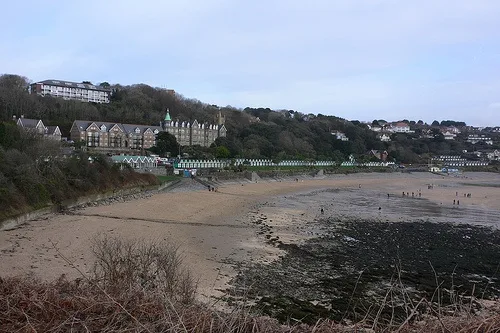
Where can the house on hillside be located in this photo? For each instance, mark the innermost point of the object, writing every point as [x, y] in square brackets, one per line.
[340, 136]
[83, 92]
[384, 137]
[195, 133]
[114, 135]
[117, 136]
[451, 129]
[381, 155]
[427, 134]
[494, 155]
[475, 138]
[449, 135]
[53, 132]
[37, 126]
[400, 127]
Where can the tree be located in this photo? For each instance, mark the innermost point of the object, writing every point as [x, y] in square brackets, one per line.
[279, 157]
[165, 143]
[9, 135]
[222, 152]
[435, 123]
[104, 84]
[14, 82]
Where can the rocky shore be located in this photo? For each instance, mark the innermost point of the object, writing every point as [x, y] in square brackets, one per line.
[362, 252]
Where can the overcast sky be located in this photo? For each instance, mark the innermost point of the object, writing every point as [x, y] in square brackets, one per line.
[356, 59]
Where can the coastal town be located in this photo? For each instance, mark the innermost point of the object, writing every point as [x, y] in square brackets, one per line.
[250, 167]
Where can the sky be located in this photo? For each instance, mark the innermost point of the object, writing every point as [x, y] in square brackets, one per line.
[356, 59]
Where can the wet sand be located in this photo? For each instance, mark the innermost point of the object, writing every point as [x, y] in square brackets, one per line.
[216, 230]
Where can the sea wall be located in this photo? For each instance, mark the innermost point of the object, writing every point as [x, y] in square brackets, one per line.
[89, 200]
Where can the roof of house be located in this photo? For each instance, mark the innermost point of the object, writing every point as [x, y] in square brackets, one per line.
[400, 124]
[130, 128]
[84, 124]
[127, 128]
[26, 122]
[61, 83]
[52, 129]
[131, 158]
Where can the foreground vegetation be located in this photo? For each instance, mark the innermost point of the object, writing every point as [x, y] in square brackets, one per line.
[139, 286]
[34, 173]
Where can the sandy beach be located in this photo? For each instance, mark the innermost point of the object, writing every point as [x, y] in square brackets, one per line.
[216, 230]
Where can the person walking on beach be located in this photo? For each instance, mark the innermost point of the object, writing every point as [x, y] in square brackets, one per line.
[453, 201]
[322, 210]
[458, 202]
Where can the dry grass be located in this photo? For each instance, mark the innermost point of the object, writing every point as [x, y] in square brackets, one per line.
[143, 287]
[153, 265]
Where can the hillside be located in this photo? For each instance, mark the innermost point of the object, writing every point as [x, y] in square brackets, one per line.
[252, 132]
[35, 174]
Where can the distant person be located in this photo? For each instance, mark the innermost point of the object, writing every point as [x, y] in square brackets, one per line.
[453, 201]
[359, 185]
[322, 211]
[380, 208]
[388, 195]
[458, 202]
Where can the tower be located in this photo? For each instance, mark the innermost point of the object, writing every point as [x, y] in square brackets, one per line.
[167, 116]
[220, 119]
[167, 120]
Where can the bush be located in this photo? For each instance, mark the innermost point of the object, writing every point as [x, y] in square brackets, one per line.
[155, 266]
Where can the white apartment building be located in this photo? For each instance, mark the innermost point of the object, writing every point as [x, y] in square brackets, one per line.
[71, 90]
